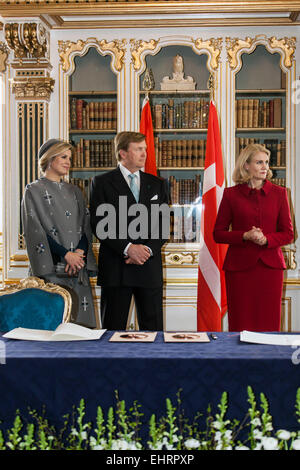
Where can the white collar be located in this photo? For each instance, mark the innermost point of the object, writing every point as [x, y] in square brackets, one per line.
[125, 172]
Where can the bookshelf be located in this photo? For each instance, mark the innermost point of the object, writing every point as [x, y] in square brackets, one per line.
[180, 126]
[260, 113]
[180, 119]
[92, 118]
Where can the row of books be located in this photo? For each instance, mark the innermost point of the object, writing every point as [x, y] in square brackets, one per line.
[257, 113]
[85, 185]
[184, 191]
[183, 115]
[279, 181]
[180, 153]
[185, 227]
[94, 153]
[92, 114]
[277, 148]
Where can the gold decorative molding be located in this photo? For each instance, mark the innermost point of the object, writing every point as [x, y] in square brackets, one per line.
[27, 40]
[285, 46]
[213, 46]
[235, 45]
[117, 47]
[290, 257]
[33, 87]
[180, 258]
[4, 52]
[67, 50]
[33, 282]
[19, 258]
[139, 46]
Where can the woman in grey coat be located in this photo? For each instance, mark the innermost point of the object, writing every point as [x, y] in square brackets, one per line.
[57, 230]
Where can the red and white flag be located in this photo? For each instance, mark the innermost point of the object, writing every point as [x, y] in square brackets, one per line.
[146, 127]
[211, 301]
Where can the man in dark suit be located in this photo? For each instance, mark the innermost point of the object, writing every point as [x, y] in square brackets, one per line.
[125, 210]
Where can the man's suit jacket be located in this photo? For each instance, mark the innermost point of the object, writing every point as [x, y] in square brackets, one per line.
[113, 271]
[240, 209]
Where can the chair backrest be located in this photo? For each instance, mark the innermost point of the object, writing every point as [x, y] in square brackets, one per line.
[34, 304]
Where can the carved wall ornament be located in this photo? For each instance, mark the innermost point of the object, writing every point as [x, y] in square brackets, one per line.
[33, 88]
[139, 46]
[68, 49]
[213, 46]
[4, 52]
[27, 40]
[235, 47]
[180, 258]
[287, 45]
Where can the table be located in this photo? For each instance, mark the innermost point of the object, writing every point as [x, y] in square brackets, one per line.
[59, 374]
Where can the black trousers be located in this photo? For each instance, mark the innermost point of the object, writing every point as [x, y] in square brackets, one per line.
[115, 304]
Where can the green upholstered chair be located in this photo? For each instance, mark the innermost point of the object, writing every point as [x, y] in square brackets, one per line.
[34, 304]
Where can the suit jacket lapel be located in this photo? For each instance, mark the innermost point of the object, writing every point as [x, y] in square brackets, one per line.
[120, 185]
[145, 188]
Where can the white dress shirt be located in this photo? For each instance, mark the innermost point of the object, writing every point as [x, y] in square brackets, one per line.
[125, 172]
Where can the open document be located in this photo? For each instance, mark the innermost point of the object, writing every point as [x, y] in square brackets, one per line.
[270, 338]
[64, 332]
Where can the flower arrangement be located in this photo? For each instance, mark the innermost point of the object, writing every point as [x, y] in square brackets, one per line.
[120, 429]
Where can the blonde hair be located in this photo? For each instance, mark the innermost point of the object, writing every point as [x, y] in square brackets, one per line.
[58, 147]
[123, 139]
[240, 174]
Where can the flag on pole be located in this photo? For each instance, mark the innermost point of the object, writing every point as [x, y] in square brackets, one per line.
[211, 300]
[146, 127]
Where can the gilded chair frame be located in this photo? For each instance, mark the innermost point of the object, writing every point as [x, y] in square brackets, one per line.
[33, 282]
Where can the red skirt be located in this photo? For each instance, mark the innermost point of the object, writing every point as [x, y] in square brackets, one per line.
[254, 298]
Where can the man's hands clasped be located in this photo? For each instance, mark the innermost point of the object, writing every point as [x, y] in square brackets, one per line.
[137, 254]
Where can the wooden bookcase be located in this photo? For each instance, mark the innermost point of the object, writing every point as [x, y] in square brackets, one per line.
[260, 107]
[92, 118]
[180, 119]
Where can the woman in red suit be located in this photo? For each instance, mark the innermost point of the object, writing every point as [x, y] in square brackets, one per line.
[254, 220]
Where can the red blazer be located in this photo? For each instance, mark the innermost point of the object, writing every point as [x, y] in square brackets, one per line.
[241, 208]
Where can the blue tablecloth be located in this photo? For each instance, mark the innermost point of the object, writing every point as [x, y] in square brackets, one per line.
[59, 374]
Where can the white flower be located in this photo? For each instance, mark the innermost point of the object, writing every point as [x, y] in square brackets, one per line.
[258, 446]
[269, 427]
[257, 434]
[119, 444]
[256, 422]
[270, 443]
[284, 435]
[192, 443]
[296, 444]
[242, 448]
[134, 446]
[157, 446]
[83, 435]
[217, 425]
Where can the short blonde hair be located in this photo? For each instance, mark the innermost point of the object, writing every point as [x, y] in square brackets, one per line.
[240, 174]
[123, 139]
[58, 147]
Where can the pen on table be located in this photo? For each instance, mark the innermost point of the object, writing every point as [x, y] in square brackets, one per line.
[213, 336]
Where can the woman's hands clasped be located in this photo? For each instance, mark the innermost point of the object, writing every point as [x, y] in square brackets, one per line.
[75, 261]
[255, 235]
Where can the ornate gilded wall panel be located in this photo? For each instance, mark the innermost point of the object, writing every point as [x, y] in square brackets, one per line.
[69, 49]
